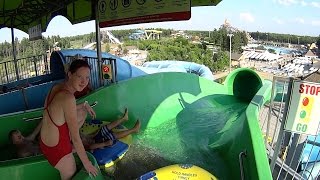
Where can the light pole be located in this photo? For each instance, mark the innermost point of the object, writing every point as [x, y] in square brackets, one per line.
[230, 36]
[298, 40]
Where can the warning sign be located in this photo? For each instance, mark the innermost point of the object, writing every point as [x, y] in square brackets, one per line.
[205, 2]
[303, 114]
[123, 12]
[35, 32]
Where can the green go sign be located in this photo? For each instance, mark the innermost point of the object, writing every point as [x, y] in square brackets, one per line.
[301, 127]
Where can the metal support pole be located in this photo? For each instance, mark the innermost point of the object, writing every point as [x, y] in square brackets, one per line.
[230, 36]
[114, 70]
[6, 68]
[35, 65]
[270, 108]
[14, 54]
[284, 119]
[98, 43]
[230, 57]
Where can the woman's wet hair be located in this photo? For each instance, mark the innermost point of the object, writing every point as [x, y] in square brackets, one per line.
[78, 63]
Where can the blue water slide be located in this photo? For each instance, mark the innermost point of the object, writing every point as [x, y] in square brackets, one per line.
[179, 66]
[311, 151]
[310, 158]
[311, 172]
[124, 69]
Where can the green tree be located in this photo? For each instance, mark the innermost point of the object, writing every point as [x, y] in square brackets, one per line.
[272, 51]
[125, 51]
[318, 42]
[220, 60]
[261, 48]
[107, 47]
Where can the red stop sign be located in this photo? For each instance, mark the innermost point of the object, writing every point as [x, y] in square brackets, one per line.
[106, 69]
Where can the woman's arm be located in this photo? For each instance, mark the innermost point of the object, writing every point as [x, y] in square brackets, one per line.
[86, 107]
[81, 105]
[70, 113]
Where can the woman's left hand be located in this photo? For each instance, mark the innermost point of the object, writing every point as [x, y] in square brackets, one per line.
[89, 109]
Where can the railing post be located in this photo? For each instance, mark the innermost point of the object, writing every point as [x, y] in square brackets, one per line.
[5, 67]
[46, 67]
[35, 65]
[281, 131]
[114, 70]
[98, 43]
[270, 108]
[14, 54]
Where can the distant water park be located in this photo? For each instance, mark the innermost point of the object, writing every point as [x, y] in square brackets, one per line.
[277, 49]
[194, 110]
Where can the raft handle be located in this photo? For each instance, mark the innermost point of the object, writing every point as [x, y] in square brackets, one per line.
[242, 154]
[94, 104]
[31, 119]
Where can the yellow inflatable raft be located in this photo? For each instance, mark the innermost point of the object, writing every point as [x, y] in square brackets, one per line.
[178, 172]
[107, 156]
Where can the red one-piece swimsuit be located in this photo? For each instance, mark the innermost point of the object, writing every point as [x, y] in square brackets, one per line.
[64, 147]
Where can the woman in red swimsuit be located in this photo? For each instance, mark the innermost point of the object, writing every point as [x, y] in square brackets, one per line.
[62, 119]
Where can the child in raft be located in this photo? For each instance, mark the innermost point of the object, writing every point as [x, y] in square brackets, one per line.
[105, 137]
[26, 146]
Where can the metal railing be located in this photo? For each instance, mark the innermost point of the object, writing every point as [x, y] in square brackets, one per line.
[96, 79]
[39, 65]
[284, 148]
[27, 67]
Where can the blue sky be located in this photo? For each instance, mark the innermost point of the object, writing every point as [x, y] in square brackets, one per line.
[299, 17]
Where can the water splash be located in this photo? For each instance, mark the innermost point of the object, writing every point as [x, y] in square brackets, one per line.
[184, 139]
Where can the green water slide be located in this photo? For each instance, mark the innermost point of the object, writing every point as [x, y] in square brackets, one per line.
[185, 119]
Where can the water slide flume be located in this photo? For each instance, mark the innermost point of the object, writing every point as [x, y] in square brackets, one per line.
[178, 66]
[185, 119]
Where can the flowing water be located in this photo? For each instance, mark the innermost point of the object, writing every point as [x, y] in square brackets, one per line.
[185, 140]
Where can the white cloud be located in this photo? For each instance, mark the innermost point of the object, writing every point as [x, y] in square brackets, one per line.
[287, 2]
[278, 21]
[315, 4]
[315, 23]
[303, 3]
[299, 20]
[247, 17]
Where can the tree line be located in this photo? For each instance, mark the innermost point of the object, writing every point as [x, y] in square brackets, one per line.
[166, 48]
[26, 48]
[284, 38]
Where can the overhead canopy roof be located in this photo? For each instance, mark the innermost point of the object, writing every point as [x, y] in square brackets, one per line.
[23, 14]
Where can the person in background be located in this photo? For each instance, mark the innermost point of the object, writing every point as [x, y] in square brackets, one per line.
[26, 146]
